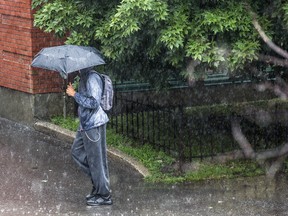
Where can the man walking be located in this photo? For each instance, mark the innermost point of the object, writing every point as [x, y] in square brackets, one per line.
[89, 147]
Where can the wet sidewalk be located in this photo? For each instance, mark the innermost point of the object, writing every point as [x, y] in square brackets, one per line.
[38, 177]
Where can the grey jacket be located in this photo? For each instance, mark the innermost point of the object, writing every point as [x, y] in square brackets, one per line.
[88, 97]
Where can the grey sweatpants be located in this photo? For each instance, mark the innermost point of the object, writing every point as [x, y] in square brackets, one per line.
[90, 153]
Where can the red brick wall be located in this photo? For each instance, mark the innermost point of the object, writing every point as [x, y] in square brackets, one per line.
[19, 42]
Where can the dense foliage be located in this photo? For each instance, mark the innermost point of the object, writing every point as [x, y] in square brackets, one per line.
[157, 40]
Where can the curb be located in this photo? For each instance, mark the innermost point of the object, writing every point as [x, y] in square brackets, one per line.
[68, 136]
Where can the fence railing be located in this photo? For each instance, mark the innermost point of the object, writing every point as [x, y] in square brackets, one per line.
[189, 136]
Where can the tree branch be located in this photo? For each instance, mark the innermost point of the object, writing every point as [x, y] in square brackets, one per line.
[262, 34]
[280, 89]
[273, 60]
[248, 150]
[275, 167]
[242, 140]
[279, 152]
[272, 167]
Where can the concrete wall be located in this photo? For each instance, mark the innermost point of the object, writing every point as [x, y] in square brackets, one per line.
[26, 108]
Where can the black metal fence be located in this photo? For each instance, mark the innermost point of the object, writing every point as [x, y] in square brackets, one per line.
[189, 136]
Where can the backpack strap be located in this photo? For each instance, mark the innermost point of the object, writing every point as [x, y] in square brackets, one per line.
[101, 77]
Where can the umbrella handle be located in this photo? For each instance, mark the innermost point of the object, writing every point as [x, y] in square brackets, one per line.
[65, 83]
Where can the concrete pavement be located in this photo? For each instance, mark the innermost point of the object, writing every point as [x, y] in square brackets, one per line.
[38, 177]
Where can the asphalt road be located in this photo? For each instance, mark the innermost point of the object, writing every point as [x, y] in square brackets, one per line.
[38, 177]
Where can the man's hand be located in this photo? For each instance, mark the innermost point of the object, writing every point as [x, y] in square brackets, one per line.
[70, 90]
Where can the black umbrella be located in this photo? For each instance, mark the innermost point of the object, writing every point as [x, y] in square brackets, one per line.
[67, 58]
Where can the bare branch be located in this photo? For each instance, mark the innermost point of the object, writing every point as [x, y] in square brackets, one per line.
[273, 60]
[262, 34]
[242, 140]
[280, 89]
[273, 153]
[275, 167]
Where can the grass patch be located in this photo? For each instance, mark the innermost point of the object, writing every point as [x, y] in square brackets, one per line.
[155, 160]
[209, 171]
[69, 122]
[231, 169]
[151, 159]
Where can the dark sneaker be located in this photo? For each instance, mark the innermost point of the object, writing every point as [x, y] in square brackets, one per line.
[99, 200]
[92, 193]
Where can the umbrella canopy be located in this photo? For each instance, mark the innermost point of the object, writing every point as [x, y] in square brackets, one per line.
[67, 58]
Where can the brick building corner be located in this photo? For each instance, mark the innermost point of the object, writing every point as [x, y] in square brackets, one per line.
[26, 93]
